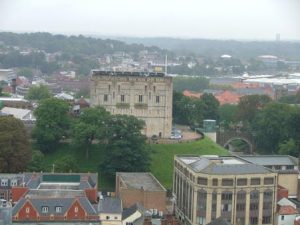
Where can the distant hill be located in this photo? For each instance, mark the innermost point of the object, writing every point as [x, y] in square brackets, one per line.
[70, 44]
[215, 48]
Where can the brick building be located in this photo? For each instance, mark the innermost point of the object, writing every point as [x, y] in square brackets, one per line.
[141, 188]
[47, 197]
[7, 182]
[147, 96]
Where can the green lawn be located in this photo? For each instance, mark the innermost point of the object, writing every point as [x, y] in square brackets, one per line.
[162, 159]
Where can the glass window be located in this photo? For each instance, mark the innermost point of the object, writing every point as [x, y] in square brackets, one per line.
[45, 209]
[122, 98]
[255, 181]
[157, 99]
[227, 182]
[58, 209]
[268, 180]
[242, 182]
[76, 209]
[140, 98]
[105, 98]
[215, 182]
[202, 180]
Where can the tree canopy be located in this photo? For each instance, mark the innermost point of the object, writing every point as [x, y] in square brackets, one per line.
[91, 125]
[126, 149]
[14, 145]
[38, 93]
[52, 123]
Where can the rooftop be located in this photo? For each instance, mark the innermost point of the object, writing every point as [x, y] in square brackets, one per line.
[110, 205]
[126, 73]
[145, 181]
[271, 160]
[226, 165]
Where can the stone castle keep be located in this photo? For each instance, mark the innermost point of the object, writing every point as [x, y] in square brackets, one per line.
[147, 96]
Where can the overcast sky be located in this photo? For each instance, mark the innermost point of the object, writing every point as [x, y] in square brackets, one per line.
[219, 19]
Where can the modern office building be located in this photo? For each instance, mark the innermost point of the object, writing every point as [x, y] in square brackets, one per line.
[209, 187]
[147, 96]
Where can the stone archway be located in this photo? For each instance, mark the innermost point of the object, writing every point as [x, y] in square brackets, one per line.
[240, 138]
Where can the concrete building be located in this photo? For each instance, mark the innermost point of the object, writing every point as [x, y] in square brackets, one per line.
[142, 188]
[287, 168]
[209, 187]
[147, 96]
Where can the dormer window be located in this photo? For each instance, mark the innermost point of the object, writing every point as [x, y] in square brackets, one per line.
[13, 183]
[45, 209]
[76, 209]
[58, 209]
[4, 182]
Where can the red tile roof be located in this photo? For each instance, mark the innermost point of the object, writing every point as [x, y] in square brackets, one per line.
[228, 97]
[192, 94]
[287, 210]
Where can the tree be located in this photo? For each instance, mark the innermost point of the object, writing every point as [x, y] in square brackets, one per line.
[26, 72]
[210, 106]
[227, 114]
[90, 126]
[52, 123]
[66, 164]
[126, 148]
[250, 105]
[14, 145]
[38, 93]
[271, 126]
[289, 148]
[37, 162]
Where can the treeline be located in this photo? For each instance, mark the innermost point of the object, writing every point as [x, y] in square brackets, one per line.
[274, 125]
[216, 48]
[70, 44]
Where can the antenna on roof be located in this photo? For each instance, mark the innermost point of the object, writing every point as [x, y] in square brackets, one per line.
[166, 64]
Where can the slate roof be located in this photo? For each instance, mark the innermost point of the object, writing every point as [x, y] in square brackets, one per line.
[17, 113]
[131, 210]
[110, 205]
[141, 180]
[271, 160]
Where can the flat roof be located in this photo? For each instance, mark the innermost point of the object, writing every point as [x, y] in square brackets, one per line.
[223, 165]
[141, 180]
[126, 73]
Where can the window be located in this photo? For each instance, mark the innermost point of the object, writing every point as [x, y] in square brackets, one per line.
[146, 88]
[254, 195]
[118, 88]
[154, 89]
[157, 99]
[290, 167]
[13, 183]
[58, 209]
[107, 217]
[122, 98]
[76, 209]
[116, 217]
[240, 207]
[2, 195]
[266, 220]
[149, 95]
[253, 220]
[105, 98]
[277, 167]
[201, 220]
[140, 98]
[227, 182]
[202, 180]
[255, 181]
[253, 206]
[227, 196]
[215, 182]
[226, 207]
[241, 182]
[4, 182]
[268, 180]
[109, 87]
[45, 209]
[27, 210]
[282, 217]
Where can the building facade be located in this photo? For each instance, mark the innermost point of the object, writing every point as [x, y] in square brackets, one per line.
[147, 96]
[142, 188]
[209, 187]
